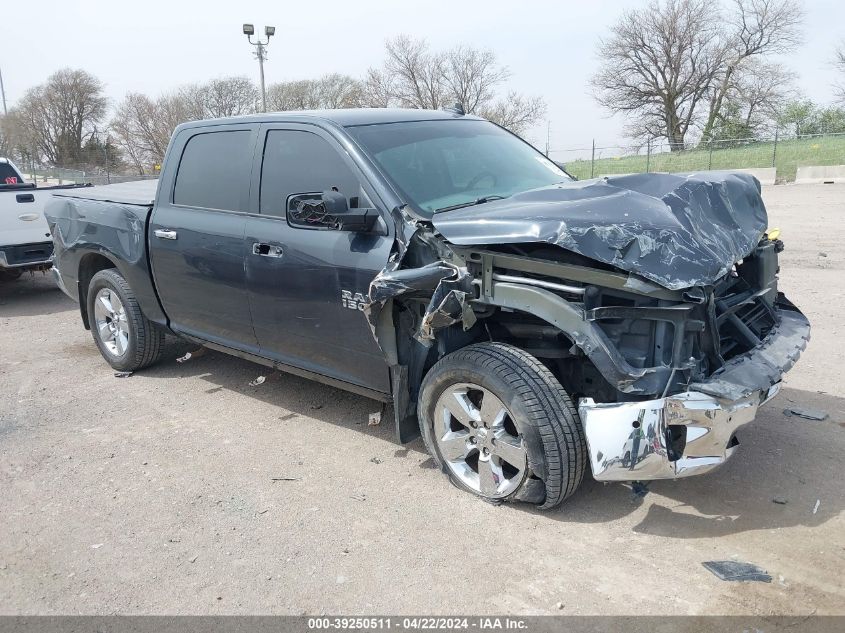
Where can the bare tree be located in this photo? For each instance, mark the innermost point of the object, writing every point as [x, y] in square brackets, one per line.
[7, 134]
[54, 118]
[302, 94]
[329, 91]
[657, 66]
[753, 105]
[665, 64]
[414, 76]
[515, 112]
[839, 64]
[377, 89]
[142, 127]
[417, 75]
[761, 91]
[227, 96]
[339, 91]
[757, 28]
[471, 77]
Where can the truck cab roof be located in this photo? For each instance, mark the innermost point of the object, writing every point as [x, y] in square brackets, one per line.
[351, 117]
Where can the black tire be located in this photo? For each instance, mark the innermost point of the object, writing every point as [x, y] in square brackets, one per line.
[145, 340]
[540, 408]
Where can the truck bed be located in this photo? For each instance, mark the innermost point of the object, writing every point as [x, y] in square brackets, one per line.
[137, 193]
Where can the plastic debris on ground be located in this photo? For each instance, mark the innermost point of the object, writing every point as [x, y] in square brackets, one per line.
[807, 414]
[375, 419]
[816, 507]
[735, 570]
[258, 381]
[779, 500]
[122, 374]
[194, 354]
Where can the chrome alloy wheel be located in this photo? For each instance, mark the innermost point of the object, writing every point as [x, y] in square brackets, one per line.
[111, 323]
[478, 440]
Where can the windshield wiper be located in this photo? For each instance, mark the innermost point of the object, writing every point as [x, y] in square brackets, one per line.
[471, 203]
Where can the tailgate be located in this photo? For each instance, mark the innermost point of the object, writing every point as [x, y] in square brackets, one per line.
[22, 216]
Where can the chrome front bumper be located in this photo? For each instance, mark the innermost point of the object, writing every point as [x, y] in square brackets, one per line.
[677, 436]
[693, 432]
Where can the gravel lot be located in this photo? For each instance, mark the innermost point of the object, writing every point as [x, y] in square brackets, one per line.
[154, 493]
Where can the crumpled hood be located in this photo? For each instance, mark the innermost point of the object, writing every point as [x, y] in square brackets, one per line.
[678, 230]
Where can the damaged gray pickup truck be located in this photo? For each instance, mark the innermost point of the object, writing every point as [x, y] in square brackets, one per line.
[526, 325]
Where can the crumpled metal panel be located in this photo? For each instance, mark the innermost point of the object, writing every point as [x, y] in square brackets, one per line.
[448, 286]
[92, 225]
[766, 364]
[678, 230]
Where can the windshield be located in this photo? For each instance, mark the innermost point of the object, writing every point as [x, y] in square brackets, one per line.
[443, 163]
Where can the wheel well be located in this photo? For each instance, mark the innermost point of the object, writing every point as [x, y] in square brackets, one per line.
[552, 346]
[90, 265]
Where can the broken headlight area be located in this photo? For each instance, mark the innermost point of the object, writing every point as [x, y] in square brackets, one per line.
[663, 378]
[641, 340]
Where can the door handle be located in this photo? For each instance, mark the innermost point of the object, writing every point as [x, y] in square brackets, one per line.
[25, 197]
[267, 250]
[165, 234]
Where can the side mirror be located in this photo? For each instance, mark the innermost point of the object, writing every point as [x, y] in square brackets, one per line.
[330, 210]
[356, 220]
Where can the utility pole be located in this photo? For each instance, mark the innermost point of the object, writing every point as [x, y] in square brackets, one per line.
[261, 54]
[548, 136]
[3, 92]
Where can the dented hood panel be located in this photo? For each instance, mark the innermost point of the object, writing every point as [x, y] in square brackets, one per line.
[678, 230]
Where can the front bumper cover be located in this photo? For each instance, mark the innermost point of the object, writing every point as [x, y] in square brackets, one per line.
[692, 432]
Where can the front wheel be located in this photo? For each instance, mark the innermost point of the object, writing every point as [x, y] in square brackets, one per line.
[498, 422]
[124, 336]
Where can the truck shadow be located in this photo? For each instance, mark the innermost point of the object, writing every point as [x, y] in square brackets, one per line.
[784, 458]
[33, 294]
[289, 393]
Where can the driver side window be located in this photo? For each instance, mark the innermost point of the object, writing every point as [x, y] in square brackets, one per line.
[296, 163]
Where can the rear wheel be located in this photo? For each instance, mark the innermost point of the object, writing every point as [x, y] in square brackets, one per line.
[124, 336]
[500, 425]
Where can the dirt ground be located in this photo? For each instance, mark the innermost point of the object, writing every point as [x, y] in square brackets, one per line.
[155, 493]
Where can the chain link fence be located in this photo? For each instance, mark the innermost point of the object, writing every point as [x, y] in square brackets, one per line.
[44, 176]
[784, 154]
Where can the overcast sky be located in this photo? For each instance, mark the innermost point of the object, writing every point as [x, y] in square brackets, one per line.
[154, 45]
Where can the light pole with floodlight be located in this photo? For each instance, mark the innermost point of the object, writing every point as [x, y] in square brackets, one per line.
[261, 54]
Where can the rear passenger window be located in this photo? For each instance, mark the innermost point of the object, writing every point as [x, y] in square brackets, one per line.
[301, 162]
[8, 176]
[214, 171]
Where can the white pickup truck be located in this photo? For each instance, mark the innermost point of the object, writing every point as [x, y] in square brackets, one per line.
[25, 242]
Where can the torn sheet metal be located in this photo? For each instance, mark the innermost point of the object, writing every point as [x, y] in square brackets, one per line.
[678, 230]
[449, 304]
[448, 285]
[806, 413]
